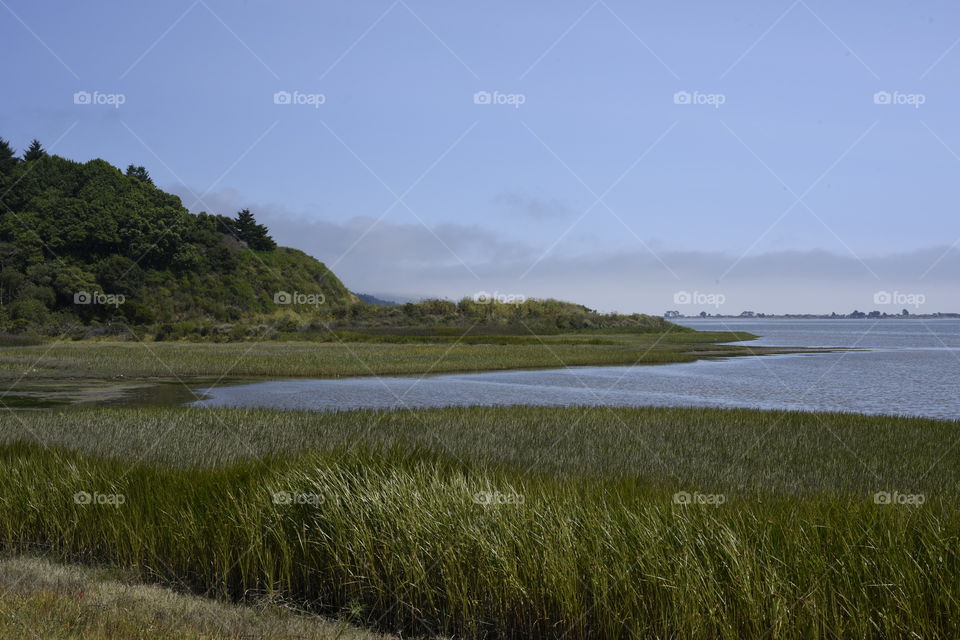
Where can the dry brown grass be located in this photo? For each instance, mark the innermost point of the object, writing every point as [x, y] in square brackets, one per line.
[41, 599]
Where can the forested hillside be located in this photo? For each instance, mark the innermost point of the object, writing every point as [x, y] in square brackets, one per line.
[87, 243]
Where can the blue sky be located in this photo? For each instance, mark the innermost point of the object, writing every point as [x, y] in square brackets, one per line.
[784, 186]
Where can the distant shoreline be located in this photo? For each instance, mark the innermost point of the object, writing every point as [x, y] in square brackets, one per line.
[814, 316]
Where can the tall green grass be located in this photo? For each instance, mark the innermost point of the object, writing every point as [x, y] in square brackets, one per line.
[402, 538]
[585, 537]
[734, 450]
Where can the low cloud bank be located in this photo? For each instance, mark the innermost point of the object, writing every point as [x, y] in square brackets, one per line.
[455, 260]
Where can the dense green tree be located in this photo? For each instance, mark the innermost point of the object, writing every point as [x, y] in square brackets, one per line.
[140, 173]
[255, 235]
[119, 274]
[8, 158]
[226, 224]
[11, 282]
[34, 152]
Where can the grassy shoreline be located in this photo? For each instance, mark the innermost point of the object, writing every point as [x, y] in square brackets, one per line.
[578, 527]
[67, 373]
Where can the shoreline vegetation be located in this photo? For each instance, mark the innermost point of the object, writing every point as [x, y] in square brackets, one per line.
[65, 373]
[514, 522]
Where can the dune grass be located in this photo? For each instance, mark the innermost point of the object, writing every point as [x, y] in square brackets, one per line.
[512, 522]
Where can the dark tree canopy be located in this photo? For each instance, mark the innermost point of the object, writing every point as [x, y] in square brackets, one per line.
[255, 235]
[34, 152]
[140, 173]
[8, 158]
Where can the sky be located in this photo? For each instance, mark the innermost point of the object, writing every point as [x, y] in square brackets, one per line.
[780, 157]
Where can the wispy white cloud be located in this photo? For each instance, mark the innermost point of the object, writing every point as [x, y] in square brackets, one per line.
[534, 208]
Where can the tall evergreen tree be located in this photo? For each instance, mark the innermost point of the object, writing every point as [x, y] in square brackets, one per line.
[140, 173]
[246, 225]
[8, 159]
[255, 235]
[34, 152]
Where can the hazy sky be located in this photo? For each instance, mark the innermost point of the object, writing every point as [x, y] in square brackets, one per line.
[617, 154]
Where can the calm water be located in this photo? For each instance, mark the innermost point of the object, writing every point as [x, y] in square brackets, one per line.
[909, 367]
